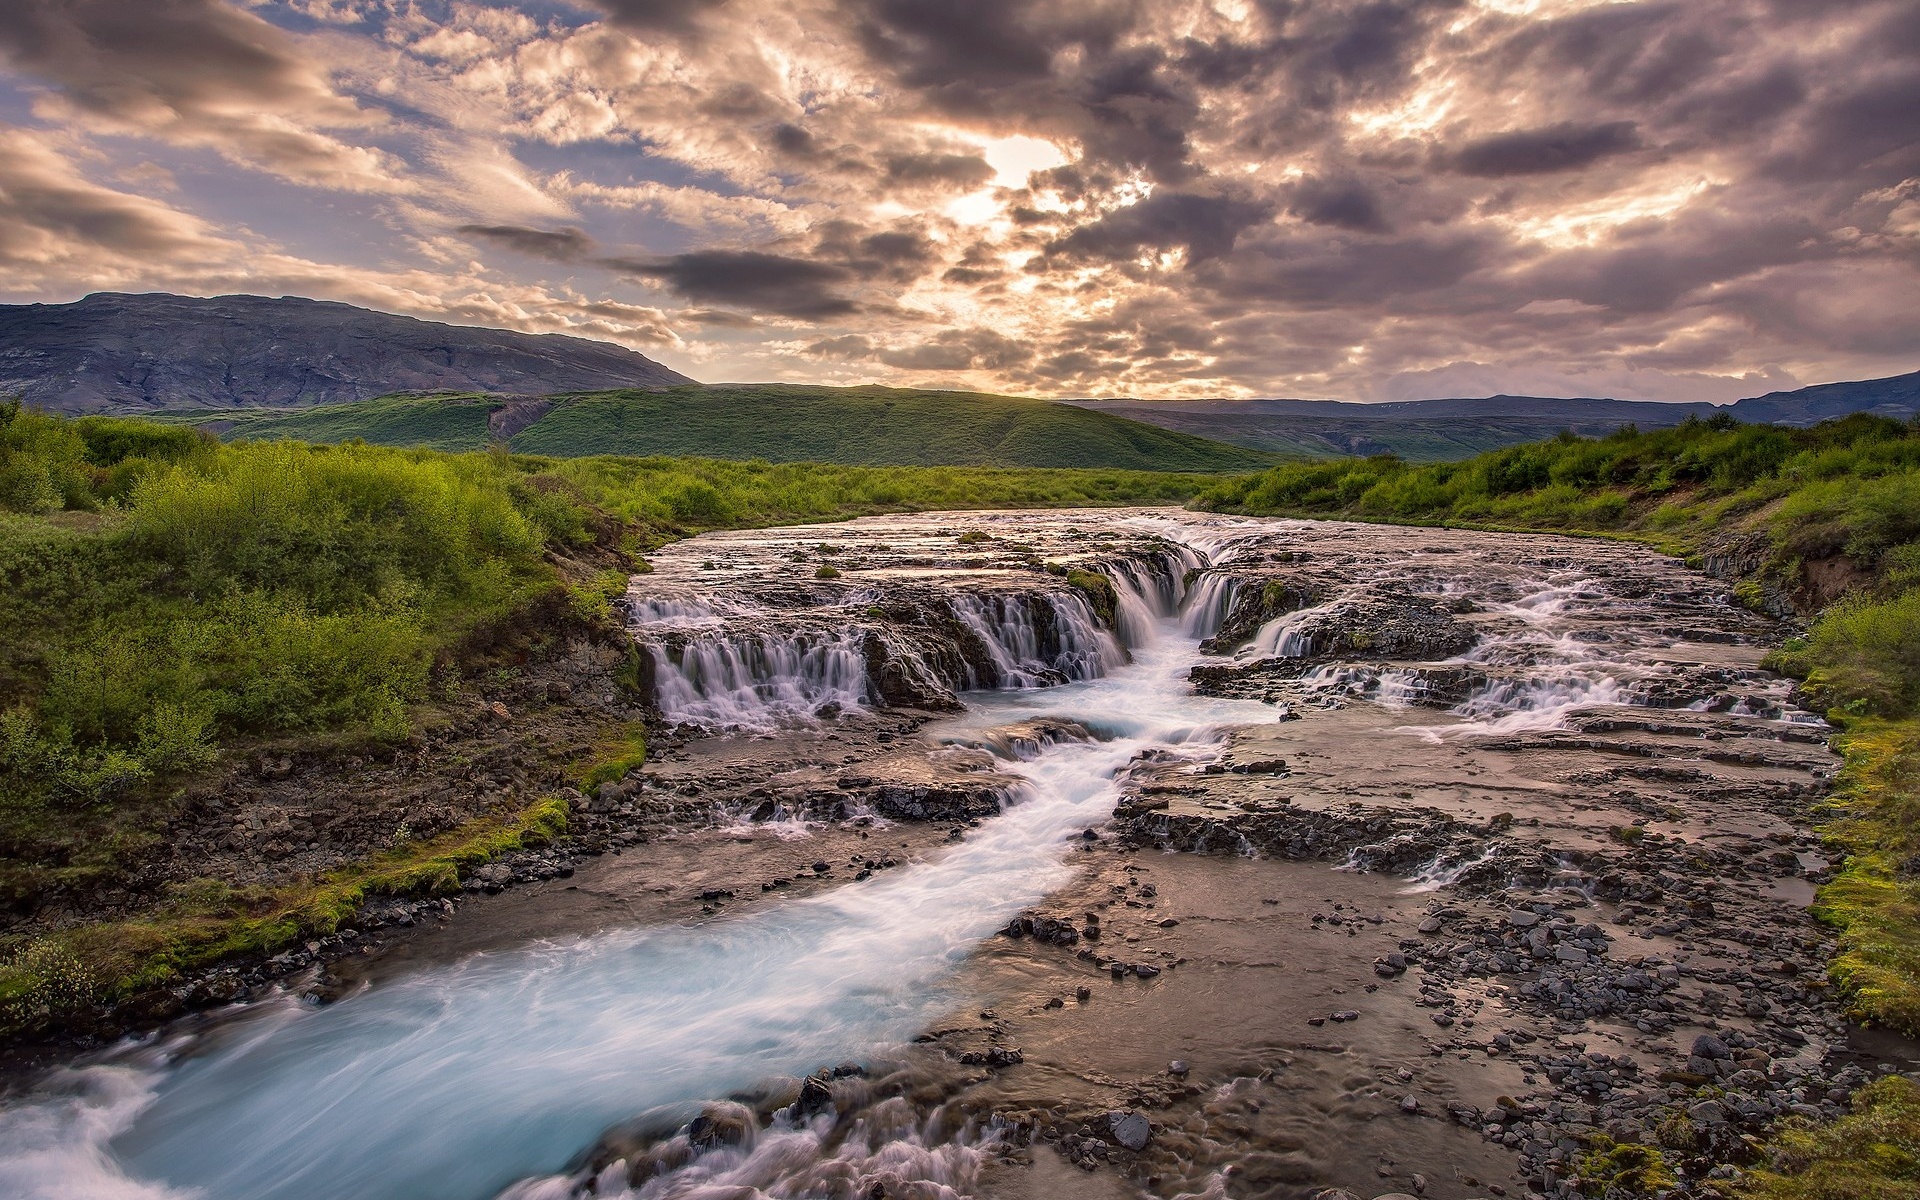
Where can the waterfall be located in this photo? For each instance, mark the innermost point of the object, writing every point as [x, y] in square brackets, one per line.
[755, 680]
[737, 661]
[1208, 601]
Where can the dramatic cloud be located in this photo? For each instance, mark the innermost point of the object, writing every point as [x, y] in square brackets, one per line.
[1356, 198]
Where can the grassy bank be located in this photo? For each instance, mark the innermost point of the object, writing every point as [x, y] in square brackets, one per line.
[170, 600]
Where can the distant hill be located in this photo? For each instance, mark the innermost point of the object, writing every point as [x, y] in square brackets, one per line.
[1417, 430]
[1897, 396]
[112, 352]
[1438, 430]
[871, 426]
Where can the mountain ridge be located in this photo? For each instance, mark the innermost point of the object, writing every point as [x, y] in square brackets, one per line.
[1459, 427]
[118, 352]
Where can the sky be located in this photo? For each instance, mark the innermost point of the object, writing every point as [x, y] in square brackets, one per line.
[1355, 199]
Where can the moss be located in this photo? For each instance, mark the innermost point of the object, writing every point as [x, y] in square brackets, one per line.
[1871, 1154]
[622, 752]
[1100, 593]
[1874, 822]
[206, 921]
[1627, 1166]
[826, 571]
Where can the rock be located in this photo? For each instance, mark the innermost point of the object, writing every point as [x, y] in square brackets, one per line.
[1177, 1067]
[1409, 1104]
[814, 1097]
[1521, 918]
[1431, 925]
[723, 1124]
[1710, 1047]
[1145, 970]
[1130, 1129]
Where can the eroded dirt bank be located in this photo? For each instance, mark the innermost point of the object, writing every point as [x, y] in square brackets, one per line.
[1450, 859]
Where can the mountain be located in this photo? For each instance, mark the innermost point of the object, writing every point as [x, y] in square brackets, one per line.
[872, 426]
[1439, 430]
[1897, 397]
[112, 352]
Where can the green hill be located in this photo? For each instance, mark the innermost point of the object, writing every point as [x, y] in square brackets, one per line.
[867, 426]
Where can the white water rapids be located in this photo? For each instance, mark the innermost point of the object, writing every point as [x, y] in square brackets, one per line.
[496, 1073]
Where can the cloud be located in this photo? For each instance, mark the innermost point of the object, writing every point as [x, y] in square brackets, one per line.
[1562, 147]
[199, 72]
[1205, 226]
[1174, 197]
[52, 217]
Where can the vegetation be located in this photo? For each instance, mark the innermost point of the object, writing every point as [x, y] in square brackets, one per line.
[208, 921]
[1873, 1153]
[443, 422]
[619, 754]
[869, 426]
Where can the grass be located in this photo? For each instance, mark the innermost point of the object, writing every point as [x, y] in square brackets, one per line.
[1874, 900]
[437, 422]
[1873, 1153]
[864, 426]
[209, 921]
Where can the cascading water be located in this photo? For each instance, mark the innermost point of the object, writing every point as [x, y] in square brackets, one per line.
[757, 679]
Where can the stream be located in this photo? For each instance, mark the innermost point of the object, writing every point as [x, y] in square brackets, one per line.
[560, 1065]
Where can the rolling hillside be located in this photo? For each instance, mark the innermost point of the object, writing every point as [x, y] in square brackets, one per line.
[869, 426]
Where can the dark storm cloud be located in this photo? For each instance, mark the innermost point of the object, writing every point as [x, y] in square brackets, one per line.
[1562, 147]
[960, 170]
[1341, 203]
[659, 16]
[1205, 226]
[561, 245]
[774, 283]
[802, 288]
[959, 350]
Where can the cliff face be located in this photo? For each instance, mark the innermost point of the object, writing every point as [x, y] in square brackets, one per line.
[112, 352]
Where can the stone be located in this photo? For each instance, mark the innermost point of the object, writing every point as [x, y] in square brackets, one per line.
[1130, 1129]
[1177, 1067]
[1409, 1104]
[814, 1097]
[1521, 918]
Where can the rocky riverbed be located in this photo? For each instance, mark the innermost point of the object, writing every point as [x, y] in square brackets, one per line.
[1362, 858]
